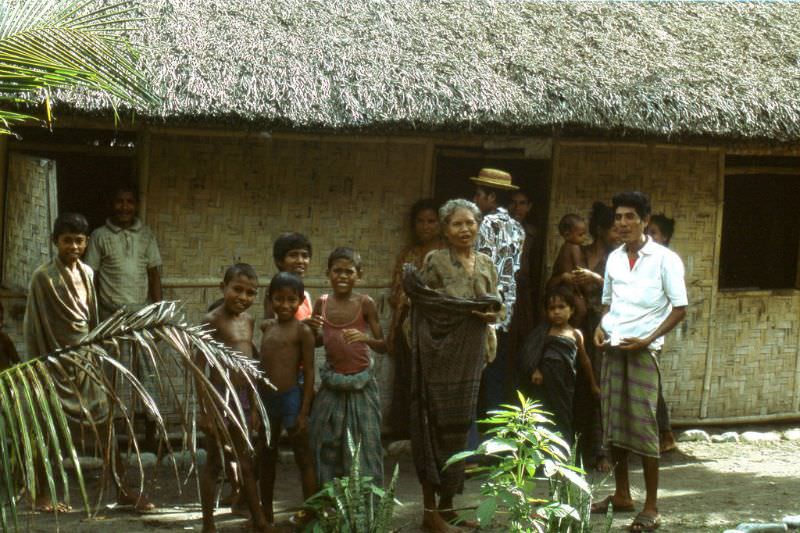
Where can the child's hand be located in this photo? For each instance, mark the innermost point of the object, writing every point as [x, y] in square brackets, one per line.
[489, 318]
[314, 322]
[301, 426]
[353, 335]
[568, 277]
[537, 378]
[596, 391]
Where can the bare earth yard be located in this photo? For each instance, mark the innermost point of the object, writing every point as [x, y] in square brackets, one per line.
[705, 487]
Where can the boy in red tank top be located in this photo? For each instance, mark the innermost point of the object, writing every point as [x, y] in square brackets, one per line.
[348, 398]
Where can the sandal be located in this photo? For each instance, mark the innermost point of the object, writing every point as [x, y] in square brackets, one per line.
[645, 522]
[603, 505]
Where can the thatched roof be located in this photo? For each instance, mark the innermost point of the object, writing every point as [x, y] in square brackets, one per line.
[725, 69]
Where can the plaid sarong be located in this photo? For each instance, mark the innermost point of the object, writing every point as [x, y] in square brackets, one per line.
[346, 402]
[629, 402]
[448, 346]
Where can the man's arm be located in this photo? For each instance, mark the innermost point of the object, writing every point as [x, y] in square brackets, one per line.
[154, 284]
[673, 319]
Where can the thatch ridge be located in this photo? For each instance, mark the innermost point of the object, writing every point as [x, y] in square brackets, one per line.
[725, 69]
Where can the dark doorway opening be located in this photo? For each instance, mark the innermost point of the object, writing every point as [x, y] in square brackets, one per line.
[454, 167]
[90, 165]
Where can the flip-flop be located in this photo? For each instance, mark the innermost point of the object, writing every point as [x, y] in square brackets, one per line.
[644, 522]
[602, 506]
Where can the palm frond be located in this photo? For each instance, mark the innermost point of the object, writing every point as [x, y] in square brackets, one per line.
[51, 44]
[35, 430]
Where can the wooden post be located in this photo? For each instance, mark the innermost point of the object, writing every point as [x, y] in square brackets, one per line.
[3, 174]
[143, 170]
[712, 304]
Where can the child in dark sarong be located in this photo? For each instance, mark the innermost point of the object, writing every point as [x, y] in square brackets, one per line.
[549, 358]
[348, 398]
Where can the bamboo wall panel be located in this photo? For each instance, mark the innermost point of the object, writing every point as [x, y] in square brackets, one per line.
[215, 201]
[681, 183]
[756, 344]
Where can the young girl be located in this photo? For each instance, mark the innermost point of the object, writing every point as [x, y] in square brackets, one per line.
[548, 360]
[569, 261]
[348, 398]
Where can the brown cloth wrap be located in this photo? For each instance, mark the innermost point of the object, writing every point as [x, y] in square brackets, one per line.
[56, 318]
[447, 356]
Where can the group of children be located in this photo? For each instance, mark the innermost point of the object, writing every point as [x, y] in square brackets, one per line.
[346, 324]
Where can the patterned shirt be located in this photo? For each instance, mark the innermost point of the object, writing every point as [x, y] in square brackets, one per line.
[502, 239]
[121, 258]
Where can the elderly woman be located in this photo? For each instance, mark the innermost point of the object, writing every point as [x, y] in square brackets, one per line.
[454, 299]
[427, 237]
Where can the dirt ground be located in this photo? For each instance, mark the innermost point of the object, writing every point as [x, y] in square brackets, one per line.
[704, 487]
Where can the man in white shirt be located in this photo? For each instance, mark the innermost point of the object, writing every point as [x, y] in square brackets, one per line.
[644, 298]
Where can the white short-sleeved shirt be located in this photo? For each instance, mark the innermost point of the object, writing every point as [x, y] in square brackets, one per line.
[120, 258]
[641, 298]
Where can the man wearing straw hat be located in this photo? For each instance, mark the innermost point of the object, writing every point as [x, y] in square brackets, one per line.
[501, 238]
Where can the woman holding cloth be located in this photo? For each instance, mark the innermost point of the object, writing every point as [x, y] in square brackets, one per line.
[454, 299]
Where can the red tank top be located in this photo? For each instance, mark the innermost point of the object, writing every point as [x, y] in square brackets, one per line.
[306, 309]
[344, 358]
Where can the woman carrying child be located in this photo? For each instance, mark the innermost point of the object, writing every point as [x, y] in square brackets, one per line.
[348, 400]
[454, 299]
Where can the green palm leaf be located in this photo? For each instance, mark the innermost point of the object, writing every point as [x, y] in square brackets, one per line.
[34, 430]
[47, 45]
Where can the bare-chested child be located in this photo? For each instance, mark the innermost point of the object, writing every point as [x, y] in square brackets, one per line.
[287, 346]
[234, 327]
[569, 260]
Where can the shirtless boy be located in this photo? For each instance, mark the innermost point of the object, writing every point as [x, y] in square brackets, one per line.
[292, 253]
[234, 327]
[287, 346]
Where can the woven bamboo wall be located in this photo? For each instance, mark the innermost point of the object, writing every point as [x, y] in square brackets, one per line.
[681, 183]
[213, 201]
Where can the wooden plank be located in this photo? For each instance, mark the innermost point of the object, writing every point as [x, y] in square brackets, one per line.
[143, 170]
[707, 372]
[749, 171]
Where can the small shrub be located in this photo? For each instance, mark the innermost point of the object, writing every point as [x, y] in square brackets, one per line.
[522, 451]
[352, 504]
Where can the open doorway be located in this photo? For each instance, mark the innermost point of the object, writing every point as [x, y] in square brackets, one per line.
[454, 167]
[89, 166]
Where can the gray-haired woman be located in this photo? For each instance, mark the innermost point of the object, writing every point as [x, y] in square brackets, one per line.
[454, 300]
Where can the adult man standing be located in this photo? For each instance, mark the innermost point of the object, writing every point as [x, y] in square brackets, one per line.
[644, 298]
[501, 238]
[124, 255]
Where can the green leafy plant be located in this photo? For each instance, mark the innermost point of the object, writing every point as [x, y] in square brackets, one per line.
[522, 451]
[48, 45]
[34, 431]
[352, 504]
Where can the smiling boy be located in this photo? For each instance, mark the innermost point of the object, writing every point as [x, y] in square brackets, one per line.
[61, 310]
[292, 253]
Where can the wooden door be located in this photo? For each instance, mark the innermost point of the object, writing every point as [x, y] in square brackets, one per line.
[30, 208]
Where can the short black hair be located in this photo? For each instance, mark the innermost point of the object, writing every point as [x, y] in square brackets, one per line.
[501, 195]
[601, 217]
[344, 252]
[569, 221]
[126, 187]
[562, 292]
[665, 224]
[425, 204]
[283, 280]
[634, 199]
[286, 242]
[70, 223]
[239, 269]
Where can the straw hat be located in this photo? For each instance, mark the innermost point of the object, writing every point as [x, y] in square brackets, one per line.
[497, 179]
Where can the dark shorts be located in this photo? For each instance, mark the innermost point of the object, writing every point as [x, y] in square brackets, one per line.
[284, 407]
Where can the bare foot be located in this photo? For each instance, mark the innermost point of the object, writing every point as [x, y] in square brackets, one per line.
[140, 503]
[452, 517]
[667, 443]
[432, 522]
[45, 505]
[602, 465]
